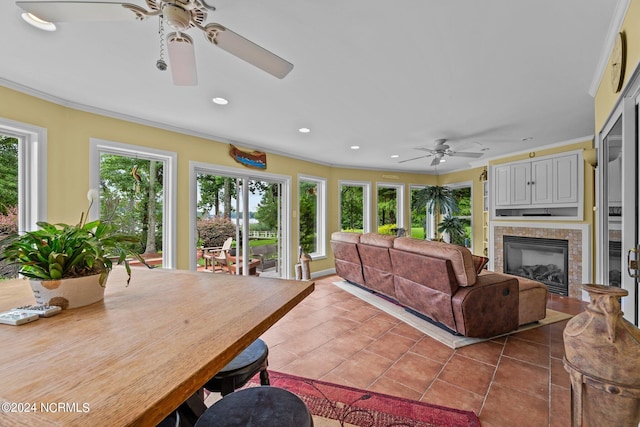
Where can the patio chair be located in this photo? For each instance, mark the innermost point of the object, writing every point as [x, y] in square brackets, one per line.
[217, 255]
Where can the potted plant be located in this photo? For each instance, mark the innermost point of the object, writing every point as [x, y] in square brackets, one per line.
[452, 227]
[63, 260]
[439, 200]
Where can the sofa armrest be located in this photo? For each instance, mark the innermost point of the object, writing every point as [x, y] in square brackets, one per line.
[488, 308]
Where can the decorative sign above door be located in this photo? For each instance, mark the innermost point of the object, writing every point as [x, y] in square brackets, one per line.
[250, 159]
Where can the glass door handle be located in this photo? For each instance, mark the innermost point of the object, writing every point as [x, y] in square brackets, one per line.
[632, 264]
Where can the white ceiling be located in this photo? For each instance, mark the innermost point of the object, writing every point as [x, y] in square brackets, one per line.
[386, 76]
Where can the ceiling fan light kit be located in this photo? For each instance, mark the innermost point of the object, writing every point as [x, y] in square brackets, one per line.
[181, 15]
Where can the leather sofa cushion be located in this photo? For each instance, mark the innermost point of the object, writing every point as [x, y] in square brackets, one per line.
[460, 257]
[376, 239]
[346, 236]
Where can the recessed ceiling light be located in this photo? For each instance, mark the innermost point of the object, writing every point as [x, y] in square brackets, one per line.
[220, 101]
[38, 23]
[394, 156]
[304, 130]
[355, 147]
[443, 160]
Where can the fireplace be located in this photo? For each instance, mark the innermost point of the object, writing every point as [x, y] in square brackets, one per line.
[542, 259]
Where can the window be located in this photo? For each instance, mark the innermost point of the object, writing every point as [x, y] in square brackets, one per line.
[137, 190]
[312, 215]
[354, 206]
[462, 193]
[390, 203]
[31, 170]
[421, 225]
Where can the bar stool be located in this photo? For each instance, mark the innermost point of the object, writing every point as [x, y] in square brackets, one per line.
[257, 407]
[241, 369]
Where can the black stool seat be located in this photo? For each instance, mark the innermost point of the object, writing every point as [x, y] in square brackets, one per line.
[257, 407]
[241, 369]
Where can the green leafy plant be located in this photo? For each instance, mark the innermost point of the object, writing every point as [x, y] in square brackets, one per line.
[451, 225]
[58, 251]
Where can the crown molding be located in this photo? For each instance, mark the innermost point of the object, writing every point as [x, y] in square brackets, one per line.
[614, 28]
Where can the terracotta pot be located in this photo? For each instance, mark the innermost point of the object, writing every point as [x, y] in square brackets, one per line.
[602, 356]
[69, 293]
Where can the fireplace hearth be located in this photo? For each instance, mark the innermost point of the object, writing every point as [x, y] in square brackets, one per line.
[542, 259]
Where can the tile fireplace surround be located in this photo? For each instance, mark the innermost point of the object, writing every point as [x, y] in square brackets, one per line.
[578, 236]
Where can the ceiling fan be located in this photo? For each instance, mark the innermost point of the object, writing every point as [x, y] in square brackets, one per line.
[439, 151]
[180, 16]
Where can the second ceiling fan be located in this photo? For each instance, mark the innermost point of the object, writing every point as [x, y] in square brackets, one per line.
[439, 151]
[180, 16]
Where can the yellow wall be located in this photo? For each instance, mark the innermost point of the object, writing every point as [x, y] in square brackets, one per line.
[605, 99]
[69, 132]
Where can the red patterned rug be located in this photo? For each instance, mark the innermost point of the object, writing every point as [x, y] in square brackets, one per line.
[337, 405]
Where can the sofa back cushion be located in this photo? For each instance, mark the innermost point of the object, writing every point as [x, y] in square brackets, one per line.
[347, 259]
[460, 257]
[376, 263]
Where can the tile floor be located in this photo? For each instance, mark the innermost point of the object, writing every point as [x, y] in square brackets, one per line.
[517, 380]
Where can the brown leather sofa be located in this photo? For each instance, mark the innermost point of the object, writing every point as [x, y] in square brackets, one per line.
[439, 281]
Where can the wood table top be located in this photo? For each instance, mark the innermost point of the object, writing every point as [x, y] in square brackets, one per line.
[136, 356]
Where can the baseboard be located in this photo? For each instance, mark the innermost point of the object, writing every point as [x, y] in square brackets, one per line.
[322, 273]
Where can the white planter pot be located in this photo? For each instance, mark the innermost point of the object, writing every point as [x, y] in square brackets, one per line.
[69, 293]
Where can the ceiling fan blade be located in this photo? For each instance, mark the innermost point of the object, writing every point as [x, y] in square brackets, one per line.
[182, 59]
[415, 158]
[248, 51]
[77, 11]
[466, 154]
[436, 161]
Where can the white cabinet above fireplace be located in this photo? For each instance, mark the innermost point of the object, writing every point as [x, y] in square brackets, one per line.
[544, 187]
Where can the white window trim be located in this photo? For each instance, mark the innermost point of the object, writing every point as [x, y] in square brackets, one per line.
[399, 201]
[321, 214]
[366, 197]
[32, 178]
[169, 186]
[198, 167]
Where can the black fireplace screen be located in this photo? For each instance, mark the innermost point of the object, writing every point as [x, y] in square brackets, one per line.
[544, 260]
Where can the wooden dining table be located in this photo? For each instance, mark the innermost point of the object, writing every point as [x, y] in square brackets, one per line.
[133, 358]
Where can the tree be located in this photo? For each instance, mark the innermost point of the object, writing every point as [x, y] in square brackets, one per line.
[351, 207]
[8, 173]
[267, 209]
[308, 216]
[127, 186]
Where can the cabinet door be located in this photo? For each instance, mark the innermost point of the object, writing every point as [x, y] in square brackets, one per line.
[521, 184]
[502, 185]
[542, 182]
[565, 183]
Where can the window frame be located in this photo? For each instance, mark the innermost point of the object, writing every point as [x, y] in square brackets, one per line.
[169, 186]
[32, 171]
[366, 204]
[321, 214]
[399, 187]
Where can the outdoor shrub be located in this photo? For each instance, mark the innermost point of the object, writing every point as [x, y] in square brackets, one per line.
[389, 229]
[213, 232]
[9, 222]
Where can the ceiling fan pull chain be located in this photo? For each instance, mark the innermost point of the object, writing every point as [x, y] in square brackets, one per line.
[160, 64]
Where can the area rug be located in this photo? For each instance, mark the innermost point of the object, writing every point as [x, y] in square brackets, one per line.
[435, 332]
[334, 405]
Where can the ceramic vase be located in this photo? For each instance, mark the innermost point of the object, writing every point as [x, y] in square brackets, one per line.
[602, 356]
[69, 293]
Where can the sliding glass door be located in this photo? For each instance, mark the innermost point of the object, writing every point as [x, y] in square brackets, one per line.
[248, 207]
[618, 250]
